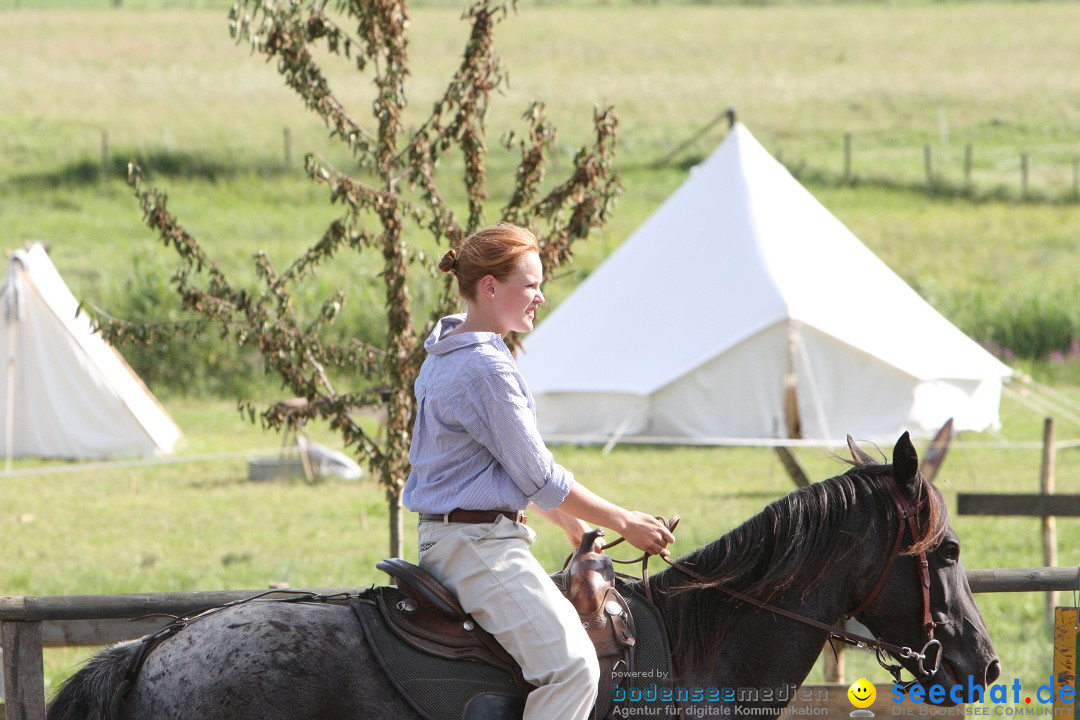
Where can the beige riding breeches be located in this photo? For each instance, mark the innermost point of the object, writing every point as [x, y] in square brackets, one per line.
[492, 572]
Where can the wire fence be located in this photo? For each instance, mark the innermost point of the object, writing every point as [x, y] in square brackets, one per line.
[1048, 173]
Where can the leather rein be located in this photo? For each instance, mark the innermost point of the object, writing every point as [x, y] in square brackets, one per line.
[907, 515]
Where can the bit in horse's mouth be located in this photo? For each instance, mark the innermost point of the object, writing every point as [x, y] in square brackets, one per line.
[946, 677]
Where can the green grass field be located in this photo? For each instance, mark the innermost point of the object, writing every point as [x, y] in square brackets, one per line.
[169, 87]
[203, 526]
[207, 119]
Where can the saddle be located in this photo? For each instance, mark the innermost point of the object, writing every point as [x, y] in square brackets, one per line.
[425, 617]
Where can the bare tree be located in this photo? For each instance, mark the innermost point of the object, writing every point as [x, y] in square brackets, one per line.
[397, 195]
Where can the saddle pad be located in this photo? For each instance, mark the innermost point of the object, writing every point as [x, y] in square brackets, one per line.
[444, 689]
[652, 657]
[438, 688]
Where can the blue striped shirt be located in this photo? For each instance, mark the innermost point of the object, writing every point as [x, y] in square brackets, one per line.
[475, 444]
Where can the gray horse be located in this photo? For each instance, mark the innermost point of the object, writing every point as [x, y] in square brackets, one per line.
[818, 553]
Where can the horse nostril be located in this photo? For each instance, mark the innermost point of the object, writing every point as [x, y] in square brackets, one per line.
[993, 672]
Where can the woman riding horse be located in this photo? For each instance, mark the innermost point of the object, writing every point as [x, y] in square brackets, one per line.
[478, 461]
[820, 553]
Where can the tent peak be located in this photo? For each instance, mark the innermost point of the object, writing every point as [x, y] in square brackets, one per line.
[731, 117]
[768, 303]
[68, 393]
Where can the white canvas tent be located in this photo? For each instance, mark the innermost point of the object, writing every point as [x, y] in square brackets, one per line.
[743, 310]
[66, 392]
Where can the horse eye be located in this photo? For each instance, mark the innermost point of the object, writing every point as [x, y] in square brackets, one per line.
[949, 551]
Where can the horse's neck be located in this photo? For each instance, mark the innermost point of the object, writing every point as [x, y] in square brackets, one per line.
[769, 651]
[765, 650]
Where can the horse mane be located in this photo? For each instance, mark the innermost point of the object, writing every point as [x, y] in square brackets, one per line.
[787, 545]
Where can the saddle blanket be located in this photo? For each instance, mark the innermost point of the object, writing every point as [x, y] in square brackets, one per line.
[439, 688]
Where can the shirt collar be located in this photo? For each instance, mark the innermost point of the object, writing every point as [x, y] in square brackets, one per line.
[438, 344]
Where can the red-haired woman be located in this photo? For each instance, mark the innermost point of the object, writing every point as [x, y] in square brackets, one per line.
[478, 461]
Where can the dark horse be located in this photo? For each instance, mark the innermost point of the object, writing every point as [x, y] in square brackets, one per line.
[818, 553]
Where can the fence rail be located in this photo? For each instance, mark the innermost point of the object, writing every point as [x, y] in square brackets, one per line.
[28, 624]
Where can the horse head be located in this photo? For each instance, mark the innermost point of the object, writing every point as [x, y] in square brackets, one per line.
[943, 625]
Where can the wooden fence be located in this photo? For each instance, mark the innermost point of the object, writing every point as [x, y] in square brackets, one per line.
[1047, 505]
[1057, 165]
[28, 624]
[935, 179]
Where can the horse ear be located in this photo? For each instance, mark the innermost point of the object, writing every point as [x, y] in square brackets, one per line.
[935, 454]
[905, 461]
[857, 453]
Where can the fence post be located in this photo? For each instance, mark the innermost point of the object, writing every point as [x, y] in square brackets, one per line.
[929, 163]
[1024, 175]
[1049, 529]
[969, 157]
[105, 156]
[24, 681]
[834, 664]
[287, 139]
[847, 158]
[1076, 177]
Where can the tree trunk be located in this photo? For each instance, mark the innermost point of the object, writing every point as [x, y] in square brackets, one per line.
[397, 523]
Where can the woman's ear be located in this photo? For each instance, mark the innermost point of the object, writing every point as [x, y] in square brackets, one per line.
[487, 286]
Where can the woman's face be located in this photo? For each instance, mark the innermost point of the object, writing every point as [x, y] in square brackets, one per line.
[517, 297]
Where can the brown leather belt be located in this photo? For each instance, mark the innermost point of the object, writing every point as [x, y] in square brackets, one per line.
[474, 516]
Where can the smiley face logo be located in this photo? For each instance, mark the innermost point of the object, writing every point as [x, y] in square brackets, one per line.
[862, 693]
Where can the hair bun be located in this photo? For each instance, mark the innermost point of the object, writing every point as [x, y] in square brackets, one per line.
[448, 262]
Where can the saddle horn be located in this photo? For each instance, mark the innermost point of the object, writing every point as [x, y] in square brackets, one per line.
[591, 573]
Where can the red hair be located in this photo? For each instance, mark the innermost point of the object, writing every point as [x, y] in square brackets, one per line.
[497, 251]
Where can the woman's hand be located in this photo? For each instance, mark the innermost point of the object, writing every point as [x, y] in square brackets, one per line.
[647, 533]
[641, 530]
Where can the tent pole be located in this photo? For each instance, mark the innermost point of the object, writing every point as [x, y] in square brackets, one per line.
[617, 435]
[9, 410]
[811, 383]
[787, 458]
[791, 418]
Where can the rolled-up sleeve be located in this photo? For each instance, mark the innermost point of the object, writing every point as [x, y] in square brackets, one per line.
[497, 413]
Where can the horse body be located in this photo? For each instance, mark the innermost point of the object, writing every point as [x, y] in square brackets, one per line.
[295, 659]
[819, 553]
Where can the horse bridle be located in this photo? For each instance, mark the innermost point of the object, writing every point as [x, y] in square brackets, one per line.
[907, 514]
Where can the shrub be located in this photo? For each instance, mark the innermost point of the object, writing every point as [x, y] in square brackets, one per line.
[1039, 325]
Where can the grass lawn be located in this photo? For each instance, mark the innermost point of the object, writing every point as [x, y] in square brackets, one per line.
[202, 526]
[168, 86]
